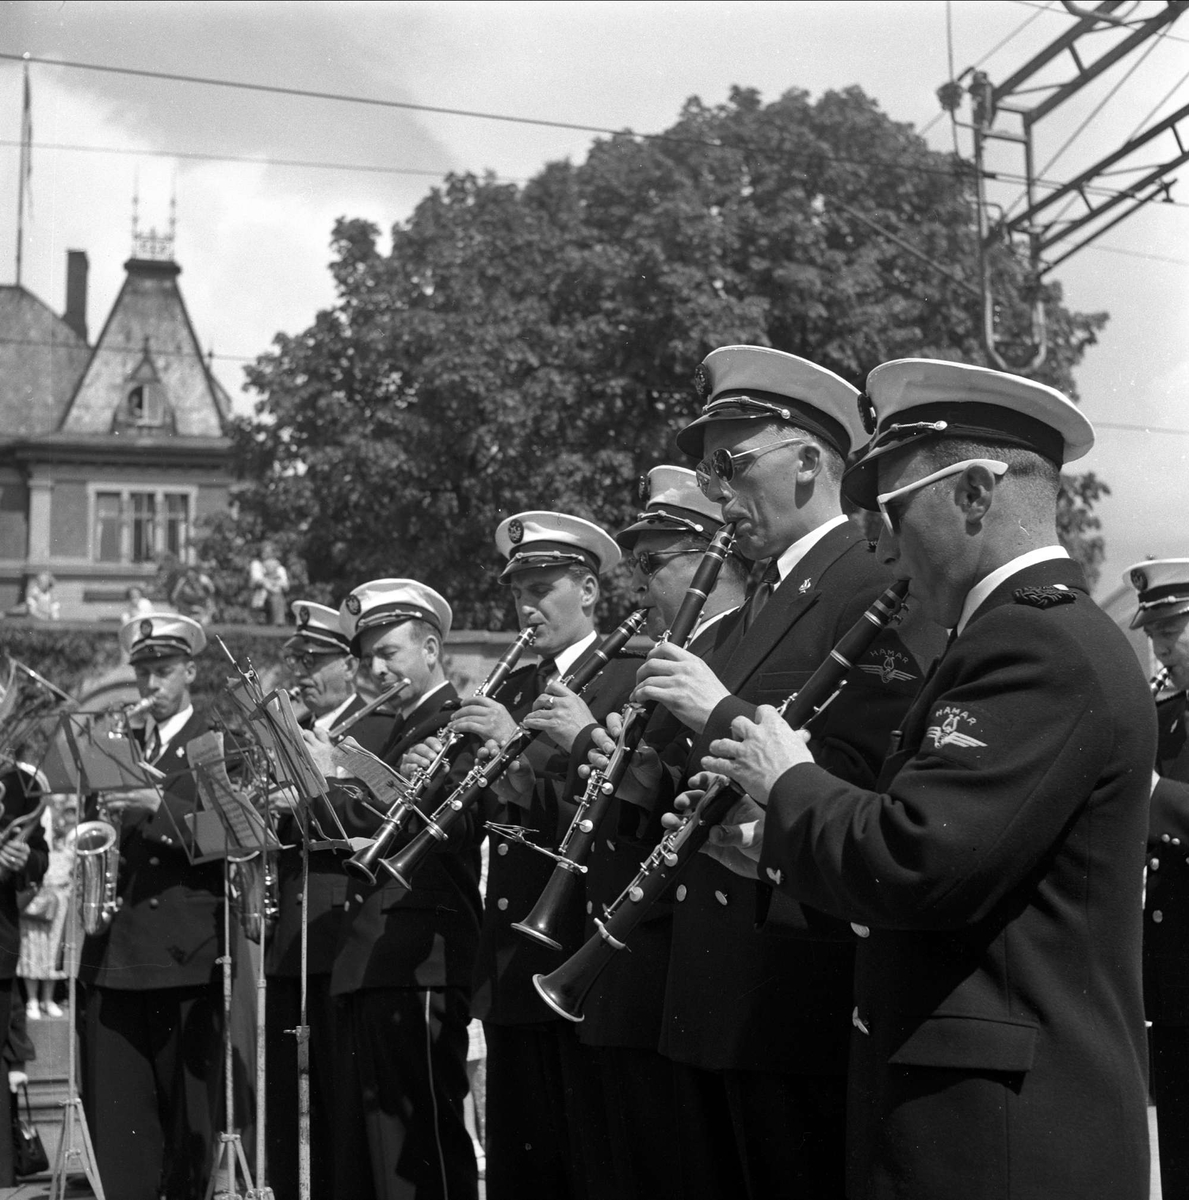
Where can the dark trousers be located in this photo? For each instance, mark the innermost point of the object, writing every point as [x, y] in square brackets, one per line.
[399, 1090]
[1170, 1087]
[151, 1068]
[282, 1013]
[761, 1135]
[540, 1082]
[642, 1118]
[7, 1178]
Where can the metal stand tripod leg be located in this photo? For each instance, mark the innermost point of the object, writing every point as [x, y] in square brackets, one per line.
[75, 1152]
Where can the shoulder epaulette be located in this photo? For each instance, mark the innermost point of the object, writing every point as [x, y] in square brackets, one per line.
[1044, 597]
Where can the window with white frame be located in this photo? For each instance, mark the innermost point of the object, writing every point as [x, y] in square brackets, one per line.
[136, 525]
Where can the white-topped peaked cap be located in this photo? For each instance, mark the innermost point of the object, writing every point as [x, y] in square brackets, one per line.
[318, 626]
[553, 539]
[674, 502]
[1163, 587]
[392, 602]
[914, 398]
[161, 635]
[751, 383]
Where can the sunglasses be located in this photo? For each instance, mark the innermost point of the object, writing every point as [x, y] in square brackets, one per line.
[648, 562]
[722, 464]
[891, 519]
[310, 660]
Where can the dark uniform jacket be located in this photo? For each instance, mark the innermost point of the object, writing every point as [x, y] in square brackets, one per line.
[1166, 905]
[424, 938]
[997, 865]
[625, 1005]
[507, 960]
[167, 931]
[779, 999]
[327, 885]
[20, 794]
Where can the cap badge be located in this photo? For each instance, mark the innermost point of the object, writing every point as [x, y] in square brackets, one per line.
[1139, 580]
[303, 615]
[146, 628]
[701, 382]
[867, 413]
[353, 606]
[516, 532]
[643, 489]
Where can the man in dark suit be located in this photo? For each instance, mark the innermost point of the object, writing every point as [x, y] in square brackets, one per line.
[622, 1013]
[402, 968]
[319, 658]
[1163, 614]
[998, 1046]
[756, 1020]
[150, 1015]
[544, 1124]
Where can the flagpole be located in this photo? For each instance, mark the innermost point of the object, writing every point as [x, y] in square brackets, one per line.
[26, 168]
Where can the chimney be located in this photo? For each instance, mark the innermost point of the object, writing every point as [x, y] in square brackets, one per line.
[76, 292]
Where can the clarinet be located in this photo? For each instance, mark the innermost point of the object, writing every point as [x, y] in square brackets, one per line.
[404, 864]
[363, 863]
[541, 924]
[565, 989]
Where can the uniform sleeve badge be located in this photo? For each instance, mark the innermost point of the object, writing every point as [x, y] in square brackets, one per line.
[888, 666]
[952, 727]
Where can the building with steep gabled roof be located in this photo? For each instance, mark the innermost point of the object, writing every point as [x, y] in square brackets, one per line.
[109, 453]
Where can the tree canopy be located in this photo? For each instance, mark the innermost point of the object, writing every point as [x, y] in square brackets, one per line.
[532, 347]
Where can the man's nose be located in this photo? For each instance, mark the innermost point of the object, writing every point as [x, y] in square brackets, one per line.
[887, 549]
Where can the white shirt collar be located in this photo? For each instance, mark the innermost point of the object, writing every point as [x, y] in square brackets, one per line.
[703, 625]
[326, 720]
[989, 583]
[168, 729]
[788, 561]
[413, 704]
[566, 658]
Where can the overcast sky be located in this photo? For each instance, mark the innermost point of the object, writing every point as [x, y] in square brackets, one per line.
[252, 238]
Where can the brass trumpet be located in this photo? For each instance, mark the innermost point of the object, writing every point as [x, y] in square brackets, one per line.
[363, 863]
[565, 989]
[541, 923]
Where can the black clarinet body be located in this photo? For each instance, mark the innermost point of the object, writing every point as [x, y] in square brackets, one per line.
[541, 923]
[565, 989]
[440, 826]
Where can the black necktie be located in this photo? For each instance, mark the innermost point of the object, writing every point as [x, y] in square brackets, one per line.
[769, 582]
[546, 673]
[152, 745]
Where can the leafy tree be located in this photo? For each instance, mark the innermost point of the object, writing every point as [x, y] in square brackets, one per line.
[532, 347]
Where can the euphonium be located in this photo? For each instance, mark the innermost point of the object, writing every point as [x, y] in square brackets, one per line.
[363, 863]
[97, 843]
[438, 827]
[565, 989]
[541, 924]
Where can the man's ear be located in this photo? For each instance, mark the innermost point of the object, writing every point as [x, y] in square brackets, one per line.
[191, 671]
[975, 493]
[589, 591]
[433, 649]
[811, 462]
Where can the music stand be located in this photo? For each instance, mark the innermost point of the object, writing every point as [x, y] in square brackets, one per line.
[75, 1151]
[246, 836]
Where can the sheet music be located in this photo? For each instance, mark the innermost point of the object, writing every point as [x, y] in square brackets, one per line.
[246, 829]
[107, 763]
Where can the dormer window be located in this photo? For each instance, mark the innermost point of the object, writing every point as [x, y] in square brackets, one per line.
[143, 405]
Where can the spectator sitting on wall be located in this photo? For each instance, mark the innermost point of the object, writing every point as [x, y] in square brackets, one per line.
[39, 598]
[193, 595]
[269, 582]
[138, 604]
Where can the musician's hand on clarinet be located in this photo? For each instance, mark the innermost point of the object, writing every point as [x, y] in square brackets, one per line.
[643, 775]
[602, 742]
[13, 857]
[419, 757]
[484, 717]
[515, 784]
[735, 842]
[682, 682]
[133, 800]
[759, 752]
[558, 712]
